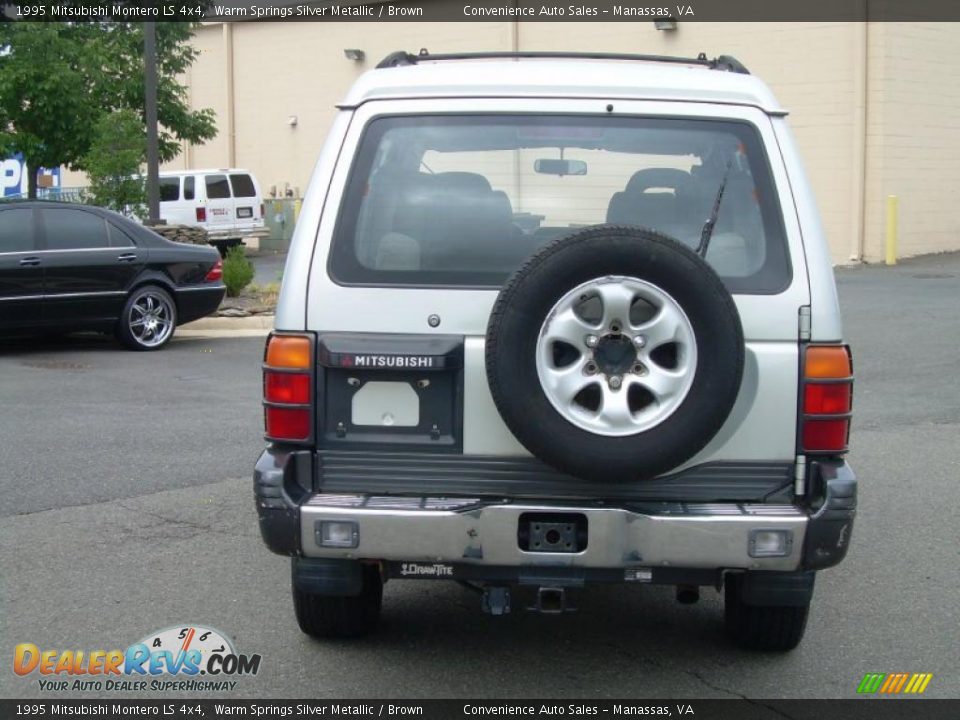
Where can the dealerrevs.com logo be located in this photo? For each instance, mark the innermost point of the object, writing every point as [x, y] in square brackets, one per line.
[185, 658]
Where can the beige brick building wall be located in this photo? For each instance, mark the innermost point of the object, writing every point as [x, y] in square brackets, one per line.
[875, 107]
[913, 135]
[206, 84]
[298, 69]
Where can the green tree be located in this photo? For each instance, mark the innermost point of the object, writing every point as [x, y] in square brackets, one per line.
[46, 108]
[113, 162]
[58, 79]
[122, 83]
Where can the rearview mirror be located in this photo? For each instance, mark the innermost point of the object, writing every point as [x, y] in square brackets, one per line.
[546, 166]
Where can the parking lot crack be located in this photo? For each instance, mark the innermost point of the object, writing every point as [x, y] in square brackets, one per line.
[630, 655]
[179, 522]
[728, 691]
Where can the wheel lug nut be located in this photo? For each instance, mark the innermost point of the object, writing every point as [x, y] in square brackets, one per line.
[591, 341]
[590, 368]
[639, 341]
[615, 382]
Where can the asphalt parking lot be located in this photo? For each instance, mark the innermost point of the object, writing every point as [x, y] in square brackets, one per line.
[127, 507]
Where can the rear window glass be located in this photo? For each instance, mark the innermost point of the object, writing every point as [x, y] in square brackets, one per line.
[188, 193]
[68, 229]
[16, 230]
[217, 187]
[169, 189]
[464, 200]
[242, 186]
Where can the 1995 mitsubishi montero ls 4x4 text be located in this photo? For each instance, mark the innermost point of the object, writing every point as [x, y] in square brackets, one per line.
[551, 320]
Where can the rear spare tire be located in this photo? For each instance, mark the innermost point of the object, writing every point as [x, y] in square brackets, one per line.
[614, 353]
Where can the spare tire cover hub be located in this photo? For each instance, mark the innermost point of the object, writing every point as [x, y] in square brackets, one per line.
[634, 367]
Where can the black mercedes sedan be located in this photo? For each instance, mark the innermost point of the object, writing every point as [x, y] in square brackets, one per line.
[66, 267]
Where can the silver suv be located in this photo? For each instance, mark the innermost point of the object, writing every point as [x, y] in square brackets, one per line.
[551, 320]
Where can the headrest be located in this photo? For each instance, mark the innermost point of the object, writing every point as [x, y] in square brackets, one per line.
[657, 178]
[462, 182]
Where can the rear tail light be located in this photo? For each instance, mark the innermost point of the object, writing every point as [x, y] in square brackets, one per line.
[201, 214]
[826, 399]
[262, 211]
[216, 272]
[291, 388]
[288, 388]
[285, 424]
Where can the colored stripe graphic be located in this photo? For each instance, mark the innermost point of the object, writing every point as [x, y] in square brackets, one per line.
[889, 682]
[894, 683]
[871, 682]
[922, 682]
[900, 683]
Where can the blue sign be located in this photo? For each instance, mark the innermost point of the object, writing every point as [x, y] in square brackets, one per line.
[14, 178]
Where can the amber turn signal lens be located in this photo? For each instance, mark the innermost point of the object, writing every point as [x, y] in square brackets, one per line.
[828, 361]
[285, 351]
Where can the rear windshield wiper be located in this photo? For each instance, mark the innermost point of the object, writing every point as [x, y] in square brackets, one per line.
[708, 226]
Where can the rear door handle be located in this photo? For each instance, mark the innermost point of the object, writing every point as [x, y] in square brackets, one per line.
[32, 261]
[127, 257]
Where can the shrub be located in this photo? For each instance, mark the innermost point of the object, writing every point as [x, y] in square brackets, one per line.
[237, 271]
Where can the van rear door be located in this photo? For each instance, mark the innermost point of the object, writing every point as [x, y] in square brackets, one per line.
[221, 214]
[246, 201]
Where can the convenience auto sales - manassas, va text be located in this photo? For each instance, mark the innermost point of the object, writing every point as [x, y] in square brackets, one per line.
[626, 11]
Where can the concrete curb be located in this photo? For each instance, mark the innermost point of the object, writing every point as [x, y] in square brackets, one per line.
[254, 322]
[188, 334]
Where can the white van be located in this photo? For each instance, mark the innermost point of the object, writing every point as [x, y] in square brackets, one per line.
[227, 203]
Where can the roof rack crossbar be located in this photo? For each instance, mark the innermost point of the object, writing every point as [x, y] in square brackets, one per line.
[722, 62]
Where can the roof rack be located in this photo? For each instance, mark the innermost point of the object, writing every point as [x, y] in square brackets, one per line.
[721, 62]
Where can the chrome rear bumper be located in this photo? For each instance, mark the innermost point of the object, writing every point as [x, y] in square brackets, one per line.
[463, 531]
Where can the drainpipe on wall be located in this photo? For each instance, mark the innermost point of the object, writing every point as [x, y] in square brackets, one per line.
[858, 191]
[231, 128]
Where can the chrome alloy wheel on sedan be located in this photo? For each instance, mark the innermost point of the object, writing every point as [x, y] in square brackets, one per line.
[616, 356]
[149, 319]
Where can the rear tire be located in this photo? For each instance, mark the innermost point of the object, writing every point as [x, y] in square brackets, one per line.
[762, 627]
[324, 616]
[149, 319]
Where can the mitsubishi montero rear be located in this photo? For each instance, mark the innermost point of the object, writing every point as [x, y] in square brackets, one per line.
[548, 322]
